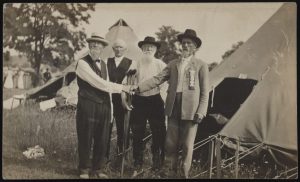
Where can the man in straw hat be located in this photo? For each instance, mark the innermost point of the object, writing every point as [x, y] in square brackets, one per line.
[148, 106]
[94, 109]
[186, 103]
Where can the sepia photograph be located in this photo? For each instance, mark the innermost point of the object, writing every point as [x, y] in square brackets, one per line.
[149, 91]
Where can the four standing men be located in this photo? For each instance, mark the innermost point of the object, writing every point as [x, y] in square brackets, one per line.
[186, 104]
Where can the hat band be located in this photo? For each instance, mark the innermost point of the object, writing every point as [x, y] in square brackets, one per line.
[95, 36]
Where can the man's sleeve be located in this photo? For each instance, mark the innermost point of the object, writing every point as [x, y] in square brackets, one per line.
[85, 72]
[204, 90]
[156, 80]
[165, 85]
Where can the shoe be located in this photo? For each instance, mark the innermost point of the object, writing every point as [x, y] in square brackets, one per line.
[84, 176]
[137, 170]
[101, 176]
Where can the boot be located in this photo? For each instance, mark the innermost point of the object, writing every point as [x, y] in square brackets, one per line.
[156, 162]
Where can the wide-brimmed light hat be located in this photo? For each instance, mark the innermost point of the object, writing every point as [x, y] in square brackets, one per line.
[95, 37]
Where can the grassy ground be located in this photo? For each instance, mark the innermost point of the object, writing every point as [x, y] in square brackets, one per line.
[27, 126]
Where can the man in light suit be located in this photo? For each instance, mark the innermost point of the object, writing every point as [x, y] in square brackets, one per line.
[186, 103]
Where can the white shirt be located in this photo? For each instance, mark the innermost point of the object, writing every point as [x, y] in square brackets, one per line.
[85, 72]
[145, 71]
[118, 60]
[181, 71]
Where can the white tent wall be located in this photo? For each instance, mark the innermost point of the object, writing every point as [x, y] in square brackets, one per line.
[269, 115]
[253, 57]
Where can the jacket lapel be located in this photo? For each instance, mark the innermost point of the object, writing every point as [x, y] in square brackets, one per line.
[191, 64]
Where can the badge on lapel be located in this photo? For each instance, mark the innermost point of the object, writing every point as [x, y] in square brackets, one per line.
[192, 79]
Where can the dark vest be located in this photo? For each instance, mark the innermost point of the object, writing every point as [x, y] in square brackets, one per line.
[117, 74]
[89, 92]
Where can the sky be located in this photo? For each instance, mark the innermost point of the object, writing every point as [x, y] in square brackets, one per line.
[219, 25]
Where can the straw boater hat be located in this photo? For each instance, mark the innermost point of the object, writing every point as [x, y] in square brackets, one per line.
[149, 40]
[97, 38]
[191, 34]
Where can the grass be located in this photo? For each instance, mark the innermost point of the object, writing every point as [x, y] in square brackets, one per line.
[55, 131]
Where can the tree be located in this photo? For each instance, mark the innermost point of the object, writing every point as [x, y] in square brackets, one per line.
[232, 50]
[46, 31]
[167, 36]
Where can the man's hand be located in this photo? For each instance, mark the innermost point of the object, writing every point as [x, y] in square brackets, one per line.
[128, 89]
[197, 118]
[134, 88]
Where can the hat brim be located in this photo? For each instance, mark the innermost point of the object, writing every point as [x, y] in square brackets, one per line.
[195, 39]
[103, 41]
[141, 43]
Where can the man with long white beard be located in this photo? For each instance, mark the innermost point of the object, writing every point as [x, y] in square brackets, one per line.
[94, 109]
[148, 106]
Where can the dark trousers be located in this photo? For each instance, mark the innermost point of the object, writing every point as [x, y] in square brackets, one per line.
[92, 124]
[149, 108]
[119, 113]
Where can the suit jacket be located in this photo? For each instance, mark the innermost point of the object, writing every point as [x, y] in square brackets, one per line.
[193, 101]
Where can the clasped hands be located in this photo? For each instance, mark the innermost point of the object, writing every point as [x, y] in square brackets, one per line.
[130, 89]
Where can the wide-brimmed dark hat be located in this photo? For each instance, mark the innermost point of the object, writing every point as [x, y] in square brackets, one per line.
[97, 38]
[149, 40]
[191, 34]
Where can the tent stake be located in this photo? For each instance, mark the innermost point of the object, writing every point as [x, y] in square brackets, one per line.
[237, 159]
[218, 153]
[211, 157]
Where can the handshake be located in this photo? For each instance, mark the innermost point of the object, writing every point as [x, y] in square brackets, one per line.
[130, 89]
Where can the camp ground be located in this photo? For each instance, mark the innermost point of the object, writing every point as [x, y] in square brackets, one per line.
[252, 110]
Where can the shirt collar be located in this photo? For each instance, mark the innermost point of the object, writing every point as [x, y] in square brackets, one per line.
[119, 58]
[187, 59]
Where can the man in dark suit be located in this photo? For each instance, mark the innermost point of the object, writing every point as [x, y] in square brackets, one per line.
[94, 109]
[186, 103]
[118, 66]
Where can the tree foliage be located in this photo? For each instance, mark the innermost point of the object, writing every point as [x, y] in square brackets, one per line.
[232, 50]
[167, 36]
[45, 32]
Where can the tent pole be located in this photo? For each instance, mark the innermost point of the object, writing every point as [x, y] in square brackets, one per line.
[218, 153]
[211, 157]
[237, 159]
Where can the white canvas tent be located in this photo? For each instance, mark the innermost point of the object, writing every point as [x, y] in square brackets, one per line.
[269, 114]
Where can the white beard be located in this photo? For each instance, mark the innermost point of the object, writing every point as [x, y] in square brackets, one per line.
[148, 57]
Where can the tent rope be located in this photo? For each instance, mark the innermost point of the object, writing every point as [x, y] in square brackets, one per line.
[285, 172]
[209, 138]
[292, 175]
[257, 146]
[195, 148]
[248, 152]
